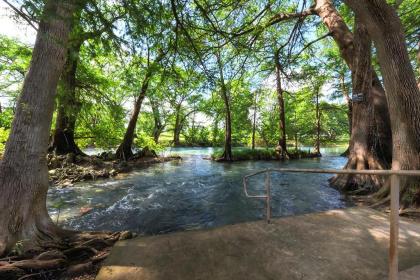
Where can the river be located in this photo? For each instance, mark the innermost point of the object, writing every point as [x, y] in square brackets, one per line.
[194, 193]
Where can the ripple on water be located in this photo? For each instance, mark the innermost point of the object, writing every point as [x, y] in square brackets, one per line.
[194, 193]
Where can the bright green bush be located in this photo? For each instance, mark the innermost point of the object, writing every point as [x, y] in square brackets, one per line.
[143, 140]
[4, 134]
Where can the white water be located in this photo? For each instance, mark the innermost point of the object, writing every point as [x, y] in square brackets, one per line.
[194, 193]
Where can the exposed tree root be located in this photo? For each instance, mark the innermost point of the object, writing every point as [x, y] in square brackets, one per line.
[360, 184]
[79, 253]
[346, 153]
[381, 202]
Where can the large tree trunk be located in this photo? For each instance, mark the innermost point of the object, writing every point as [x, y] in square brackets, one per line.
[282, 147]
[382, 142]
[68, 108]
[23, 170]
[125, 151]
[385, 28]
[362, 154]
[349, 102]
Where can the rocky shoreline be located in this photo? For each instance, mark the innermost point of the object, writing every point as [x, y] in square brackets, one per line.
[68, 169]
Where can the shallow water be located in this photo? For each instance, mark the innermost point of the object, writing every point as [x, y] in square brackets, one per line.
[194, 193]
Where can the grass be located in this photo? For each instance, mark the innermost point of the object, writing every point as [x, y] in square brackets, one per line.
[260, 154]
[249, 154]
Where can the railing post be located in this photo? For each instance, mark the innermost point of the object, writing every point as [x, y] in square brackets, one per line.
[268, 195]
[394, 227]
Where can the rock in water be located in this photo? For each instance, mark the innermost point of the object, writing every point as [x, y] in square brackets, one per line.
[125, 235]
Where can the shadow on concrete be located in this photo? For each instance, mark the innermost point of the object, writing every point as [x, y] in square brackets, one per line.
[337, 244]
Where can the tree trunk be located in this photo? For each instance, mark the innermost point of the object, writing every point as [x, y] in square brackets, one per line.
[158, 127]
[254, 121]
[418, 67]
[23, 170]
[296, 134]
[215, 129]
[348, 101]
[318, 123]
[68, 107]
[362, 153]
[385, 28]
[347, 97]
[282, 114]
[227, 153]
[125, 151]
[382, 142]
[177, 130]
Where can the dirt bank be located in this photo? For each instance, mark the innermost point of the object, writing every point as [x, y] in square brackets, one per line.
[68, 169]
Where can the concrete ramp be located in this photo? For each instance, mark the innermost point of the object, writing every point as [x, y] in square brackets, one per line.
[336, 245]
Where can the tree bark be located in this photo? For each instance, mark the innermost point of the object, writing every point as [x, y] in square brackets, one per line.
[68, 108]
[23, 170]
[125, 151]
[382, 142]
[362, 142]
[385, 28]
[418, 65]
[349, 102]
[347, 97]
[227, 153]
[215, 129]
[254, 120]
[318, 122]
[177, 130]
[282, 114]
[158, 127]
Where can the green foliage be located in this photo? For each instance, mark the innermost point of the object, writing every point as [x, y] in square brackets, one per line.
[198, 136]
[4, 135]
[144, 140]
[197, 59]
[249, 154]
[6, 118]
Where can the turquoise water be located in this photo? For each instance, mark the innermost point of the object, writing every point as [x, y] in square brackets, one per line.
[194, 193]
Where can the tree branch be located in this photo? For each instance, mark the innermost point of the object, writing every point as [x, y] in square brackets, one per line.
[22, 15]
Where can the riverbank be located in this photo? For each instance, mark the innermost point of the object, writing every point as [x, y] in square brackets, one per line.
[66, 170]
[241, 154]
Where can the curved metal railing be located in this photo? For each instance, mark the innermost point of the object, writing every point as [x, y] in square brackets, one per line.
[395, 197]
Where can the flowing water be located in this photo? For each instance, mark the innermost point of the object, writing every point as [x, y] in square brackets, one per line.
[194, 193]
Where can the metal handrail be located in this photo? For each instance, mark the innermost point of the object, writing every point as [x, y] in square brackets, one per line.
[395, 197]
